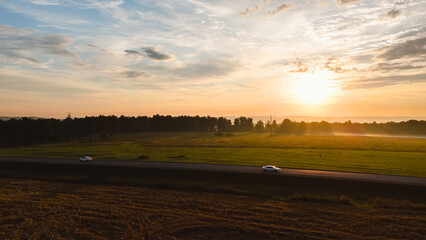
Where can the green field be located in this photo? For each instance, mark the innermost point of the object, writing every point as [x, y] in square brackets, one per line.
[397, 156]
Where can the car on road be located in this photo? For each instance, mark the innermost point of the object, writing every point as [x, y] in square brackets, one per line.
[86, 159]
[271, 168]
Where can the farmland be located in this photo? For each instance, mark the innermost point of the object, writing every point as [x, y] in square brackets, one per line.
[79, 201]
[33, 209]
[397, 156]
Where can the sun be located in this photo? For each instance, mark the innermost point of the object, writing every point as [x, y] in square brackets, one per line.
[315, 87]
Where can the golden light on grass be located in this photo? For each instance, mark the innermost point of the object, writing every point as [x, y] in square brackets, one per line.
[315, 87]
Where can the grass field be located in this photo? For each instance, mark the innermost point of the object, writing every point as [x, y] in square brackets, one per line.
[397, 156]
[32, 209]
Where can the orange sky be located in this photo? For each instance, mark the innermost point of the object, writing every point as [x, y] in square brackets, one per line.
[219, 58]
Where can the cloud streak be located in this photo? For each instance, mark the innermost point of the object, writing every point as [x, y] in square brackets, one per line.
[31, 45]
[411, 48]
[150, 52]
[386, 81]
[393, 13]
[250, 11]
[301, 67]
[279, 9]
[154, 54]
[34, 85]
[134, 74]
[131, 52]
[347, 2]
[386, 67]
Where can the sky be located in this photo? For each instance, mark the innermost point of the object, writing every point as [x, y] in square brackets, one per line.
[217, 58]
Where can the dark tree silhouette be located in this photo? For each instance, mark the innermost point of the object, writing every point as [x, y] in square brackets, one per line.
[260, 126]
[25, 131]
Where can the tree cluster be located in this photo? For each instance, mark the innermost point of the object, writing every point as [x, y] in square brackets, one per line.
[25, 131]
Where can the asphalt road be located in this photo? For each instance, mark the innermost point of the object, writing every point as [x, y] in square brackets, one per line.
[229, 168]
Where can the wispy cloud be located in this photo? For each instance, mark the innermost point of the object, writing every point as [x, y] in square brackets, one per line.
[149, 52]
[97, 47]
[33, 84]
[250, 11]
[334, 65]
[301, 67]
[155, 54]
[411, 48]
[347, 2]
[135, 74]
[132, 52]
[45, 2]
[279, 9]
[201, 69]
[32, 45]
[385, 81]
[393, 13]
[402, 2]
[386, 67]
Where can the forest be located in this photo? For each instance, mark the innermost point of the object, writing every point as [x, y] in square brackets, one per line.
[27, 131]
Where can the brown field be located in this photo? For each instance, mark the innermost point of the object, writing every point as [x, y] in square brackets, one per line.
[33, 209]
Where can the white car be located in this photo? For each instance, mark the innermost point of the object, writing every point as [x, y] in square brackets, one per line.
[86, 159]
[270, 168]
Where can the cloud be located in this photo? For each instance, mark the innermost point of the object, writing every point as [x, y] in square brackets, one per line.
[28, 45]
[45, 2]
[131, 52]
[334, 65]
[347, 2]
[134, 74]
[386, 81]
[301, 67]
[250, 11]
[97, 48]
[150, 52]
[279, 9]
[412, 32]
[27, 84]
[16, 56]
[154, 54]
[205, 68]
[402, 2]
[411, 48]
[386, 67]
[393, 13]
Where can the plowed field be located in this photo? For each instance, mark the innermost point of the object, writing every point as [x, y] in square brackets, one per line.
[31, 209]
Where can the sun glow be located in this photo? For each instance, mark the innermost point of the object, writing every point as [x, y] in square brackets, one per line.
[315, 87]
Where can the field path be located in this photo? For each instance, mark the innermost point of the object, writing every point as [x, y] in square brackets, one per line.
[228, 168]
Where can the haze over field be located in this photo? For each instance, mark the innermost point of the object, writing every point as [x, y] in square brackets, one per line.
[221, 58]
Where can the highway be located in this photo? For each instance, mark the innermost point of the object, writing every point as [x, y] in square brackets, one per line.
[228, 168]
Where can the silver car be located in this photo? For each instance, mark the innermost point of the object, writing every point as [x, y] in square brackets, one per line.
[271, 168]
[86, 159]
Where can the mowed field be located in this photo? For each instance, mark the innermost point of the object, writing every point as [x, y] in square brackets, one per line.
[32, 209]
[384, 155]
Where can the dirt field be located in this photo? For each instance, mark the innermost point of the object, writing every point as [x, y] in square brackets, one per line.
[31, 209]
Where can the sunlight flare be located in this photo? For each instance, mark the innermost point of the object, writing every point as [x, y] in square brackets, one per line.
[315, 87]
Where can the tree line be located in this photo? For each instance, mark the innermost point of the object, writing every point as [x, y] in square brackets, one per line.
[26, 131]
